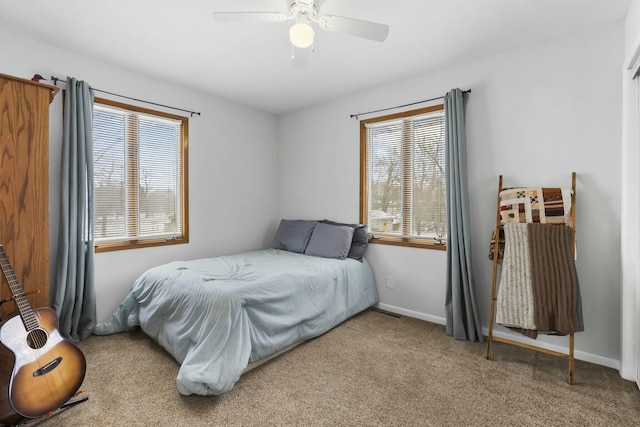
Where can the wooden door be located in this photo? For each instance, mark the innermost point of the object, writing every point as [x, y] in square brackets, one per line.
[24, 186]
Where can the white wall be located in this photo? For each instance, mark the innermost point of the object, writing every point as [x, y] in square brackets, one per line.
[534, 115]
[232, 165]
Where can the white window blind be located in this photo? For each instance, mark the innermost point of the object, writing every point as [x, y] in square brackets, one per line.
[137, 175]
[405, 166]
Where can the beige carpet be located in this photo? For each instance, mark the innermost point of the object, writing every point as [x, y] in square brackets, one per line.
[374, 369]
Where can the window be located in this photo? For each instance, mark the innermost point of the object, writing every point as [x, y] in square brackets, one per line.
[402, 185]
[140, 177]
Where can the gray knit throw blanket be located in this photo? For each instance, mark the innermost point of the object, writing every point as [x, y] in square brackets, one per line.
[539, 290]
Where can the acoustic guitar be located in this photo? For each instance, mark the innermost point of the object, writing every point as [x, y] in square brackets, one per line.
[39, 369]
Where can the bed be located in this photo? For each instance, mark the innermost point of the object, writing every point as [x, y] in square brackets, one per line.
[216, 316]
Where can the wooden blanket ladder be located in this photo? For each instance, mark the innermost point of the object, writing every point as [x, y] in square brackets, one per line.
[496, 260]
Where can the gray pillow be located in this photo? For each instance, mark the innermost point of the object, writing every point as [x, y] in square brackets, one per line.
[360, 239]
[293, 235]
[330, 241]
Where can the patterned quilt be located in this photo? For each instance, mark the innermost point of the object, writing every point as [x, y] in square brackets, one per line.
[531, 205]
[543, 205]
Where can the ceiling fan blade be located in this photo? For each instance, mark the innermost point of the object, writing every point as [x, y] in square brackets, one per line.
[354, 27]
[300, 57]
[239, 17]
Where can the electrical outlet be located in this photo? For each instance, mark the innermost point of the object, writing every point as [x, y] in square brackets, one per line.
[391, 283]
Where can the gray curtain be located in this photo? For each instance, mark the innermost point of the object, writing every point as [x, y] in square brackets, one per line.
[73, 291]
[463, 319]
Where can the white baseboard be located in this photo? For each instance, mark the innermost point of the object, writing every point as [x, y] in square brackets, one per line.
[579, 355]
[411, 313]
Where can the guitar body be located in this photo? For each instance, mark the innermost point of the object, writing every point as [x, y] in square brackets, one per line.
[47, 369]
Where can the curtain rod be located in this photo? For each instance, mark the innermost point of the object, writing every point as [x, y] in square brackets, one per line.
[405, 105]
[56, 79]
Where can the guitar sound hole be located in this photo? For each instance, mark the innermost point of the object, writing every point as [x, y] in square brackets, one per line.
[37, 338]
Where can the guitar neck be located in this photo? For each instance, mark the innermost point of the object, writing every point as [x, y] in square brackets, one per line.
[24, 308]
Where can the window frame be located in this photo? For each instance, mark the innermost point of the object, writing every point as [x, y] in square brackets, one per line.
[425, 243]
[184, 174]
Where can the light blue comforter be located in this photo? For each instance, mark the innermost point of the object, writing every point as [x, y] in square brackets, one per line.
[215, 315]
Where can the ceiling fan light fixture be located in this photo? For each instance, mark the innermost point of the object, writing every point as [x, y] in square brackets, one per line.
[301, 35]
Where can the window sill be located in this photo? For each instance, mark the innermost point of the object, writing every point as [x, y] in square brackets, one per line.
[412, 243]
[135, 244]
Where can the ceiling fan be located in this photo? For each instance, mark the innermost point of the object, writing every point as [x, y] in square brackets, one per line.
[302, 34]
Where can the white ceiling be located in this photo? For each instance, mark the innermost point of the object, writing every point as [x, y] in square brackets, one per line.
[178, 41]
